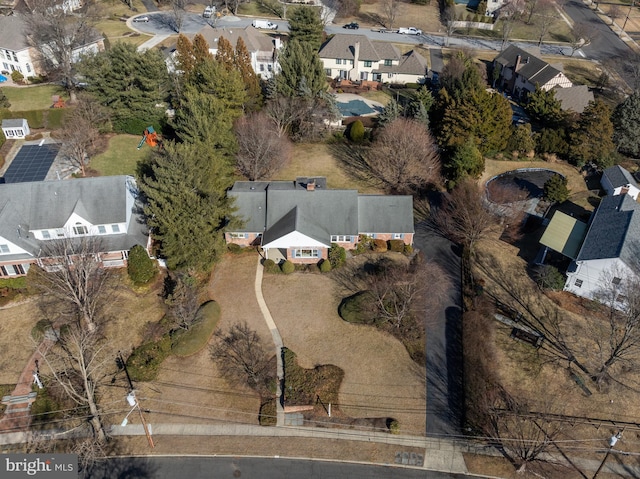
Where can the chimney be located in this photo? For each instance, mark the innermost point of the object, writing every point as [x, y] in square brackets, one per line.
[311, 185]
[518, 60]
[353, 75]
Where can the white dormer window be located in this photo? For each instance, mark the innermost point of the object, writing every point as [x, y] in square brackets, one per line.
[115, 228]
[80, 229]
[45, 234]
[4, 248]
[102, 230]
[60, 233]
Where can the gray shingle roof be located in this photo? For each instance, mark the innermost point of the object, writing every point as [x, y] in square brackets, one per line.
[281, 207]
[13, 123]
[531, 67]
[437, 61]
[385, 214]
[255, 40]
[12, 33]
[48, 205]
[343, 46]
[613, 230]
[412, 63]
[618, 176]
[575, 98]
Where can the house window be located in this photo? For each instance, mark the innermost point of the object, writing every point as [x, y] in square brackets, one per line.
[28, 68]
[388, 63]
[238, 235]
[327, 71]
[368, 63]
[80, 229]
[269, 67]
[60, 232]
[578, 283]
[306, 253]
[398, 236]
[5, 65]
[350, 61]
[340, 239]
[4, 248]
[115, 228]
[338, 61]
[262, 67]
[364, 75]
[15, 59]
[389, 75]
[45, 234]
[102, 229]
[616, 281]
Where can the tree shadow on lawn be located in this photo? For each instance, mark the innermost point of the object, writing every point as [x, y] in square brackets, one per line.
[354, 163]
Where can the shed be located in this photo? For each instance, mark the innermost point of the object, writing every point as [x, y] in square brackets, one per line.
[15, 129]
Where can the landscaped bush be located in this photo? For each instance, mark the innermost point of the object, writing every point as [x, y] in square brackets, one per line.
[408, 249]
[379, 245]
[188, 342]
[134, 126]
[337, 255]
[396, 245]
[234, 248]
[14, 283]
[55, 117]
[36, 136]
[267, 416]
[140, 267]
[37, 332]
[549, 277]
[356, 131]
[144, 362]
[17, 77]
[325, 266]
[288, 267]
[393, 425]
[365, 243]
[270, 266]
[302, 386]
[354, 309]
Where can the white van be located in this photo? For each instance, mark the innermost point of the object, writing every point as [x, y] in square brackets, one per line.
[209, 12]
[264, 24]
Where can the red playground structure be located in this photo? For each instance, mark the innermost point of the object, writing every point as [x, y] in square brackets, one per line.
[150, 137]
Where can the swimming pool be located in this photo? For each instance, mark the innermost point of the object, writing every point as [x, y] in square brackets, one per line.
[3, 78]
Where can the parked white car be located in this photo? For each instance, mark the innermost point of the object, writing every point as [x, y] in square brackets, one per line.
[410, 31]
[264, 24]
[209, 12]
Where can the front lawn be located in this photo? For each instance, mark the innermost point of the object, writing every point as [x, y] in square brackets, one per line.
[121, 156]
[37, 97]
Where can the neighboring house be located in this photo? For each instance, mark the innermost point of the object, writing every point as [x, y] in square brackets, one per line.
[609, 243]
[575, 98]
[520, 72]
[15, 129]
[7, 7]
[492, 5]
[33, 213]
[16, 54]
[618, 181]
[299, 220]
[262, 48]
[357, 58]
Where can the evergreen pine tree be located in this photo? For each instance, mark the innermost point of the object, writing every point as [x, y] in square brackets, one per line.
[389, 113]
[305, 25]
[249, 77]
[300, 60]
[201, 51]
[185, 60]
[592, 139]
[225, 55]
[626, 124]
[465, 161]
[4, 101]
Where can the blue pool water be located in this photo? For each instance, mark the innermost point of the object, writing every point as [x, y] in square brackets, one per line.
[3, 78]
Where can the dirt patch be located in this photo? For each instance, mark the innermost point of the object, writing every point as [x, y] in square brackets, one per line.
[380, 379]
[16, 343]
[424, 17]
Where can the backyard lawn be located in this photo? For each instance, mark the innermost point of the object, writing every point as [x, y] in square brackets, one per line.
[121, 156]
[37, 97]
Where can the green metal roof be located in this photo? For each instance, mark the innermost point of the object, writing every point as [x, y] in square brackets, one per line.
[564, 234]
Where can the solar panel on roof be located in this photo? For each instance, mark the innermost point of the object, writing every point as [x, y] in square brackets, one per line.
[32, 163]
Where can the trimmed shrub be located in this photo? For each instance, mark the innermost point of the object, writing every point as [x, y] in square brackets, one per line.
[393, 425]
[337, 255]
[187, 342]
[134, 126]
[234, 248]
[379, 245]
[325, 266]
[4, 101]
[144, 362]
[365, 243]
[396, 245]
[408, 249]
[288, 267]
[267, 416]
[55, 118]
[549, 277]
[17, 77]
[36, 136]
[356, 131]
[140, 267]
[14, 283]
[270, 266]
[355, 308]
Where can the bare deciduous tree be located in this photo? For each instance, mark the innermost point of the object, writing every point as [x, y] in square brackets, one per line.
[449, 18]
[243, 358]
[58, 36]
[581, 35]
[178, 11]
[77, 363]
[390, 11]
[404, 158]
[464, 216]
[183, 300]
[261, 150]
[72, 274]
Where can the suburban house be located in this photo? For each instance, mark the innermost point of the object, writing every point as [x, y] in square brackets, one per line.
[356, 58]
[25, 6]
[105, 208]
[609, 244]
[15, 129]
[519, 72]
[262, 48]
[299, 220]
[492, 5]
[16, 54]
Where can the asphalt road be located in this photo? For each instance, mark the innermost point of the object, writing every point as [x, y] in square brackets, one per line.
[605, 44]
[444, 341]
[250, 468]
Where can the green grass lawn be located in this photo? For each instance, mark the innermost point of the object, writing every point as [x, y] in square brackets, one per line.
[115, 30]
[121, 156]
[37, 97]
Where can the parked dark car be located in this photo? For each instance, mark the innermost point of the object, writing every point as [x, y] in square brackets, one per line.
[352, 26]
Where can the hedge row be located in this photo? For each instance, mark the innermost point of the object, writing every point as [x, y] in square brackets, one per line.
[50, 119]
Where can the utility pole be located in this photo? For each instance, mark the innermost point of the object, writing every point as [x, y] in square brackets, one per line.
[133, 402]
[612, 442]
[628, 14]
